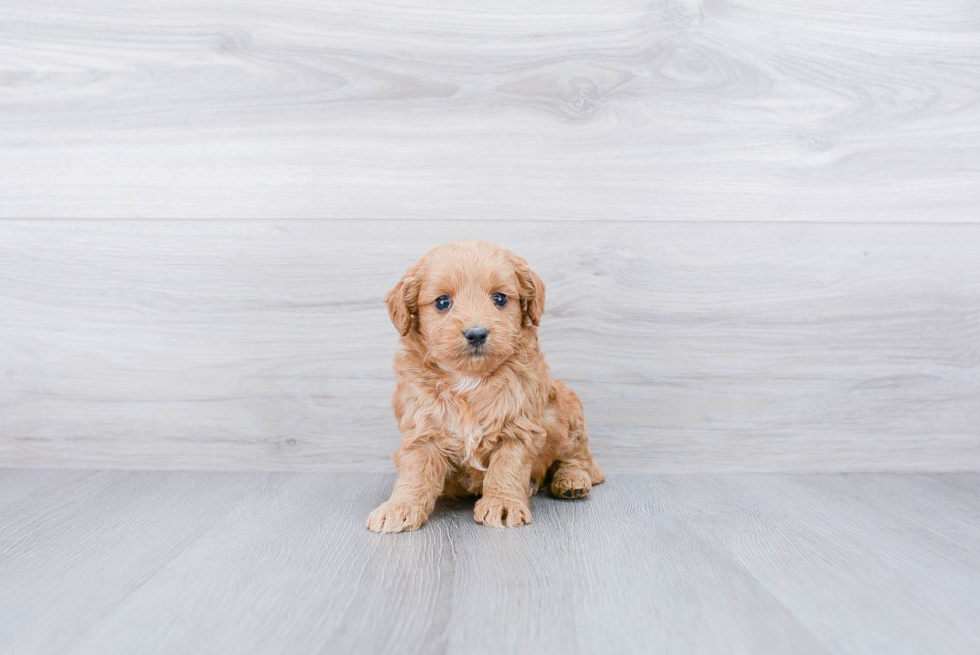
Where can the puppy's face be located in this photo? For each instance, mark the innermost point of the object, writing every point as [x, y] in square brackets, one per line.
[467, 303]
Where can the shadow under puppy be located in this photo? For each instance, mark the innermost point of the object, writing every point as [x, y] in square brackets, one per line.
[477, 410]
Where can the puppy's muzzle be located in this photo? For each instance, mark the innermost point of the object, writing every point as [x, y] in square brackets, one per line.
[476, 336]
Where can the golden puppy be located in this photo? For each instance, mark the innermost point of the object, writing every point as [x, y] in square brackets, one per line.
[477, 410]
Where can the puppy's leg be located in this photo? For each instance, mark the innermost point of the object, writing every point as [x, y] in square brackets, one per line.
[574, 471]
[539, 475]
[421, 476]
[505, 501]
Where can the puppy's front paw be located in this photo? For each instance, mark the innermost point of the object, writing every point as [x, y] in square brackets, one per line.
[396, 516]
[496, 512]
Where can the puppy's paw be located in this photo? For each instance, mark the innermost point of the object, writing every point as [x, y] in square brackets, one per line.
[570, 483]
[396, 516]
[497, 512]
[534, 487]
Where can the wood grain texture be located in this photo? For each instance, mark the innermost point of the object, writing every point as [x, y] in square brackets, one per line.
[676, 563]
[71, 551]
[673, 109]
[828, 555]
[265, 345]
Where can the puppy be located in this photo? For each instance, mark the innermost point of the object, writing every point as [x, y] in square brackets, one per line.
[477, 410]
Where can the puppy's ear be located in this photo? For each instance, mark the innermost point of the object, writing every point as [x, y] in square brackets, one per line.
[532, 292]
[403, 300]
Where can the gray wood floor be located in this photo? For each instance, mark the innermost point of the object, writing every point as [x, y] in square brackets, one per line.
[167, 562]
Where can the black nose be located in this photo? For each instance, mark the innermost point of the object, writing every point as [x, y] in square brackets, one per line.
[477, 336]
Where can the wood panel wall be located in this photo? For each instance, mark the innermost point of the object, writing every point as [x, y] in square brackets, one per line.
[757, 221]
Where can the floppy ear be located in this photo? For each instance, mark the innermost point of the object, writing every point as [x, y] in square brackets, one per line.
[532, 292]
[403, 301]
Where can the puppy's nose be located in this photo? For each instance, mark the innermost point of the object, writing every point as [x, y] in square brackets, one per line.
[477, 336]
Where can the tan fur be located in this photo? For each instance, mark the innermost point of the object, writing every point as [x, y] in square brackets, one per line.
[491, 422]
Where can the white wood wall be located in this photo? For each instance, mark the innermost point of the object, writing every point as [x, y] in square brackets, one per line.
[759, 223]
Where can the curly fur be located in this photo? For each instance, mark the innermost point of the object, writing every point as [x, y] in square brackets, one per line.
[484, 420]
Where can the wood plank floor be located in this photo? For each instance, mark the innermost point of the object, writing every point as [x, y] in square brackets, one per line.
[170, 562]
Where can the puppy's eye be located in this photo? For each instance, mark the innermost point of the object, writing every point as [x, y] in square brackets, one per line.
[500, 300]
[443, 303]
